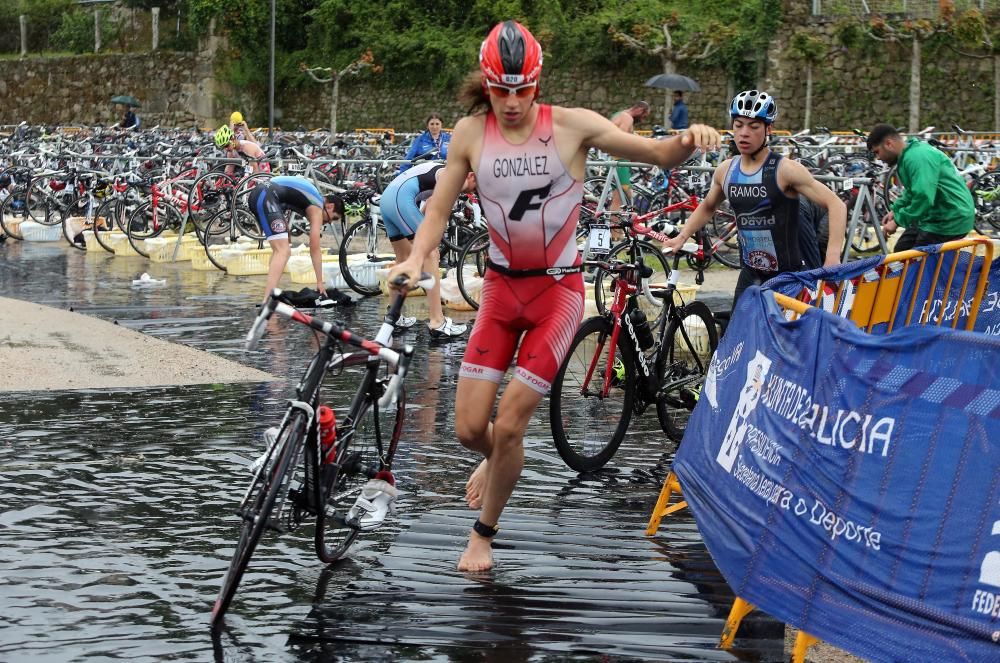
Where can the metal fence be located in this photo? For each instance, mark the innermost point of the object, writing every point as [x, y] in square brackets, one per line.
[914, 8]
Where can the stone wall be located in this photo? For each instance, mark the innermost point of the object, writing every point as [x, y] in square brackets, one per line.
[871, 83]
[175, 89]
[853, 88]
[377, 102]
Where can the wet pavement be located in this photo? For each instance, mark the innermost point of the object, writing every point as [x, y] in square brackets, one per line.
[117, 522]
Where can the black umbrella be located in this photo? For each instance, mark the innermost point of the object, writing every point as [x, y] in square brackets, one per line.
[673, 82]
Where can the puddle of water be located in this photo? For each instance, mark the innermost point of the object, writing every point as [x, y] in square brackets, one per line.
[117, 521]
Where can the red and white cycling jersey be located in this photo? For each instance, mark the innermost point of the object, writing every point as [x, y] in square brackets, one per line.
[529, 199]
[531, 204]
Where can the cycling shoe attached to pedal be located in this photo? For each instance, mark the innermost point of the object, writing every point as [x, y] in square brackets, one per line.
[376, 501]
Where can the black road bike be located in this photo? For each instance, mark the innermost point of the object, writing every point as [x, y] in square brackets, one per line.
[617, 367]
[292, 484]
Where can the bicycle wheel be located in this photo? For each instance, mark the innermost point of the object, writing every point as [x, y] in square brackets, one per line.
[76, 210]
[689, 341]
[365, 248]
[652, 258]
[148, 221]
[14, 212]
[725, 238]
[588, 425]
[45, 203]
[112, 216]
[891, 187]
[269, 487]
[864, 238]
[209, 194]
[471, 268]
[367, 450]
[246, 186]
[986, 195]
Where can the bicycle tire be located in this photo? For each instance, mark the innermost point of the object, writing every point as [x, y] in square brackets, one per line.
[209, 194]
[14, 207]
[255, 510]
[79, 204]
[115, 213]
[986, 197]
[42, 204]
[365, 248]
[686, 352]
[653, 258]
[891, 187]
[724, 228]
[865, 237]
[146, 222]
[471, 268]
[364, 455]
[577, 408]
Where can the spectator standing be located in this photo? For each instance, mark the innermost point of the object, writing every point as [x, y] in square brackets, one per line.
[679, 115]
[434, 139]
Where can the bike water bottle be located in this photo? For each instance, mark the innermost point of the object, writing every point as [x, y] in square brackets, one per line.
[640, 324]
[327, 434]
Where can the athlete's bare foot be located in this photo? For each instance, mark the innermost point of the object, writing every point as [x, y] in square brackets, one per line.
[476, 486]
[478, 555]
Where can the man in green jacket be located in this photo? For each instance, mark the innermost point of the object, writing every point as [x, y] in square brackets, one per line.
[936, 206]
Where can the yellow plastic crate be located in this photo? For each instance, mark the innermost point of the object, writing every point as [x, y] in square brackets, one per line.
[92, 244]
[300, 268]
[250, 263]
[14, 225]
[200, 261]
[122, 246]
[161, 249]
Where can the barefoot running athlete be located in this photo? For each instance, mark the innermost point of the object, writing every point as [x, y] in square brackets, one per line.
[529, 163]
[270, 201]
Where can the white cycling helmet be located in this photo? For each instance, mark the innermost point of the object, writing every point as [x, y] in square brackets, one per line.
[754, 104]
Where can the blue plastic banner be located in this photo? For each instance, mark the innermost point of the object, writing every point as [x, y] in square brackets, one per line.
[849, 484]
[916, 286]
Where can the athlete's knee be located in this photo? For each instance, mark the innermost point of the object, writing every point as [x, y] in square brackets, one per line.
[507, 435]
[471, 432]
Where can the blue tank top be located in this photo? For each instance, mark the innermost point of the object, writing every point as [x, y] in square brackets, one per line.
[295, 193]
[767, 220]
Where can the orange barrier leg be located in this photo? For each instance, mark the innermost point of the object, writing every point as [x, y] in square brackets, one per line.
[663, 506]
[803, 641]
[739, 610]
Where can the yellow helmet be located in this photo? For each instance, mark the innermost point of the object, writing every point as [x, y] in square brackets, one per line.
[236, 117]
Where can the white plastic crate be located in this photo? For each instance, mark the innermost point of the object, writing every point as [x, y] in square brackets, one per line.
[250, 263]
[36, 232]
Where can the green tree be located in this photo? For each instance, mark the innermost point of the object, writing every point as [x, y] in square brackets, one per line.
[811, 50]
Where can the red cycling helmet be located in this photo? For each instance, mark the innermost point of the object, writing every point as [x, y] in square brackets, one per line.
[510, 55]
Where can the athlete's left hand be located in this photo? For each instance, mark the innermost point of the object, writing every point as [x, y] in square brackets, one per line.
[702, 137]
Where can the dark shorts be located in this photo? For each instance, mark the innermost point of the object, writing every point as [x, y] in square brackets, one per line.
[269, 212]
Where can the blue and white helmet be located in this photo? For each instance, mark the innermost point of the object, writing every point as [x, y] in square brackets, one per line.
[754, 104]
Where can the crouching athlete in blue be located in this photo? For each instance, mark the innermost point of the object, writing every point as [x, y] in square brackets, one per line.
[297, 194]
[400, 208]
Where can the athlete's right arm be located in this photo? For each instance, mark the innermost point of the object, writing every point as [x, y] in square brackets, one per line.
[446, 190]
[706, 209]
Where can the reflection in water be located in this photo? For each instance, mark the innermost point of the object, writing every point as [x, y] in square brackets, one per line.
[117, 517]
